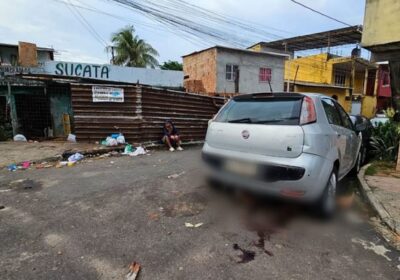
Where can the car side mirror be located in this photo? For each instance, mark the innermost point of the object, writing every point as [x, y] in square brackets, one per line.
[359, 127]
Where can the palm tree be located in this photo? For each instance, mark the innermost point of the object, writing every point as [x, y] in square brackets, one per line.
[131, 50]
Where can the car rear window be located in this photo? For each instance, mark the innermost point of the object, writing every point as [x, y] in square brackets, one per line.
[271, 111]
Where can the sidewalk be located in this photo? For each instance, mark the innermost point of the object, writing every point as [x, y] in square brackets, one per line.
[17, 152]
[383, 192]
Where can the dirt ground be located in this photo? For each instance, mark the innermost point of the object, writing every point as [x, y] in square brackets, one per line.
[92, 220]
[17, 152]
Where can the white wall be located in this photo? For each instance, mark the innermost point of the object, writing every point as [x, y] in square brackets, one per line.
[249, 66]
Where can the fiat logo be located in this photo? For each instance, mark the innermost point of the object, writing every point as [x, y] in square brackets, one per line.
[245, 134]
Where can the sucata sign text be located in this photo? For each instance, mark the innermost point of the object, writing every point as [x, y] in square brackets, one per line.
[82, 70]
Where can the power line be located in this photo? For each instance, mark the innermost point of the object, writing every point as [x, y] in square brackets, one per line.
[320, 13]
[85, 23]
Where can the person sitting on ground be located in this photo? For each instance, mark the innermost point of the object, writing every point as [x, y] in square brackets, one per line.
[171, 136]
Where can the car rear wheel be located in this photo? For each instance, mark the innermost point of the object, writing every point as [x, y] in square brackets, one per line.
[327, 203]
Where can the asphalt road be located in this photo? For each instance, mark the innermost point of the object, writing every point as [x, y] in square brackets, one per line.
[92, 220]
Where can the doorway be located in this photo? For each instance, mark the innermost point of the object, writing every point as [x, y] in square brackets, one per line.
[33, 112]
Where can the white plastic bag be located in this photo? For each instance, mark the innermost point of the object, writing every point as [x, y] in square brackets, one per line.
[71, 138]
[111, 142]
[19, 138]
[75, 157]
[121, 139]
[139, 151]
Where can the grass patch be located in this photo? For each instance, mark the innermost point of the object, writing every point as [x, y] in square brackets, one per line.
[381, 168]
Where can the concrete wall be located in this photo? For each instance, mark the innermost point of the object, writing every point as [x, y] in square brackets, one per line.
[381, 22]
[249, 67]
[200, 72]
[312, 69]
[7, 52]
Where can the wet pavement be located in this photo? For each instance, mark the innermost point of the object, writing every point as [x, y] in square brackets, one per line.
[92, 220]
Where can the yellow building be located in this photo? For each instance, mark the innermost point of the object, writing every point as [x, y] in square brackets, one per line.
[351, 80]
[382, 29]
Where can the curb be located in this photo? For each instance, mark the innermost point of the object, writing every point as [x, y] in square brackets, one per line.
[385, 217]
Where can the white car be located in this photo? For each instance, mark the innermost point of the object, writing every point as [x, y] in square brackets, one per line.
[284, 144]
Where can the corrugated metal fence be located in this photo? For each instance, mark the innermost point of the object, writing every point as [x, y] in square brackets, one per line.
[140, 118]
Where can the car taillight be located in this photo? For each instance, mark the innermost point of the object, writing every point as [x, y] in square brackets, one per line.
[308, 114]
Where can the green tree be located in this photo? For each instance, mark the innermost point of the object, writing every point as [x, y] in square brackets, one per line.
[172, 65]
[132, 51]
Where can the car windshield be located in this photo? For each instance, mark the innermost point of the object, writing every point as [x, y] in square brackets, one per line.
[273, 111]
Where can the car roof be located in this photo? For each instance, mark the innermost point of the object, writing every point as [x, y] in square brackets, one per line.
[280, 94]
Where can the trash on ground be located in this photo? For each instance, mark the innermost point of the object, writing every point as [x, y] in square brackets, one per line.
[121, 139]
[75, 157]
[114, 140]
[12, 167]
[190, 225]
[2, 207]
[138, 152]
[176, 175]
[128, 149]
[26, 164]
[134, 269]
[71, 163]
[19, 138]
[71, 138]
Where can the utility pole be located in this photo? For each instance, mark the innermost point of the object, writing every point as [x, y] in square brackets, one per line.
[111, 48]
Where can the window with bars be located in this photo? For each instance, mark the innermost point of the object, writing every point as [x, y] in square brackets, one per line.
[265, 75]
[231, 72]
[340, 78]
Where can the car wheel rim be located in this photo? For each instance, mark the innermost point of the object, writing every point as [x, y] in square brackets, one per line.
[331, 193]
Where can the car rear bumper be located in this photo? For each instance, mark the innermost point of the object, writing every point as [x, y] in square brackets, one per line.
[301, 178]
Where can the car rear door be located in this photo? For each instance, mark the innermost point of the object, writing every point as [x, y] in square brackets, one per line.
[340, 134]
[353, 144]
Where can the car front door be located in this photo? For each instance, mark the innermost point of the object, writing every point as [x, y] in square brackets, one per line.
[353, 142]
[340, 134]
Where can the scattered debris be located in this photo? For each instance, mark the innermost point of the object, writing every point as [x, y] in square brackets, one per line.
[12, 167]
[246, 256]
[134, 269]
[19, 138]
[128, 149]
[190, 225]
[176, 175]
[26, 164]
[71, 138]
[75, 157]
[2, 207]
[138, 152]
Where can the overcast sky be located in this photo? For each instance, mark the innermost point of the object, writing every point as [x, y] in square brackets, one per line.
[49, 23]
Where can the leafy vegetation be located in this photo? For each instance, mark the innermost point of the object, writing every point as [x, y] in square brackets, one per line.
[385, 141]
[132, 51]
[172, 65]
